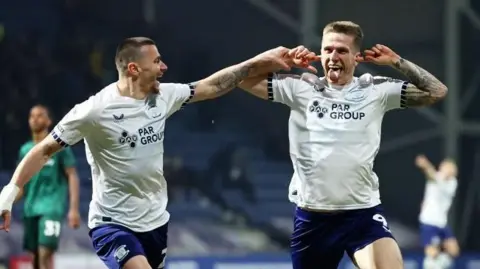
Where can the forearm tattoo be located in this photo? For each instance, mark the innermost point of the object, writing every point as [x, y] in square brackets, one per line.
[230, 78]
[426, 88]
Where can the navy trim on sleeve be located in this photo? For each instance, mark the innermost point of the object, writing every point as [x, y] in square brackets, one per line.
[192, 93]
[403, 98]
[270, 86]
[58, 139]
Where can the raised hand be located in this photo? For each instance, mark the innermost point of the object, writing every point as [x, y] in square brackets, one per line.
[301, 57]
[380, 55]
[421, 161]
[272, 60]
[282, 58]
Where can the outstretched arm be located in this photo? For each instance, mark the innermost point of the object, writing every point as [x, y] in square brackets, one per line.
[252, 75]
[257, 86]
[426, 166]
[226, 79]
[71, 129]
[222, 81]
[262, 85]
[424, 88]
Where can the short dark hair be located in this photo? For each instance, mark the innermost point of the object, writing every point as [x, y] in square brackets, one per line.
[47, 110]
[348, 28]
[129, 51]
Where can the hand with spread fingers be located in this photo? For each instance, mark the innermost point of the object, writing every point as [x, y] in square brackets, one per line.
[380, 55]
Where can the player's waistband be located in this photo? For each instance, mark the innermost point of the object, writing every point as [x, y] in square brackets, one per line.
[312, 213]
[322, 211]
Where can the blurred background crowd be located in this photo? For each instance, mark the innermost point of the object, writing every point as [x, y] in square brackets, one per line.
[227, 161]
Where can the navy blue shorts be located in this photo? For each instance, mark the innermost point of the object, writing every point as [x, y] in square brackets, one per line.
[433, 235]
[319, 240]
[115, 245]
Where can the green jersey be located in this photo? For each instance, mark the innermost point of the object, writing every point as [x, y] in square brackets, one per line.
[46, 192]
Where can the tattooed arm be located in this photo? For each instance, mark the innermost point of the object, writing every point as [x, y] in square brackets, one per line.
[221, 82]
[424, 88]
[226, 79]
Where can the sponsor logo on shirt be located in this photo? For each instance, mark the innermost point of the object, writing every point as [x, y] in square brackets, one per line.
[144, 136]
[335, 111]
[126, 138]
[149, 136]
[319, 110]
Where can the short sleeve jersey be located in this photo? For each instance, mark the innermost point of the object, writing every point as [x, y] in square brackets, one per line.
[124, 147]
[334, 136]
[437, 200]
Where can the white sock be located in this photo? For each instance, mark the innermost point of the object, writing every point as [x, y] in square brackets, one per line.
[444, 260]
[430, 263]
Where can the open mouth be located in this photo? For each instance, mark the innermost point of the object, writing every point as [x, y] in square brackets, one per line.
[334, 72]
[335, 68]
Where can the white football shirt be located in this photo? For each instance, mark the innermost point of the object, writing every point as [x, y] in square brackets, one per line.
[124, 147]
[437, 200]
[334, 137]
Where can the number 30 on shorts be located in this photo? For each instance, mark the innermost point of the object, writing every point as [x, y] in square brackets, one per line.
[52, 228]
[382, 220]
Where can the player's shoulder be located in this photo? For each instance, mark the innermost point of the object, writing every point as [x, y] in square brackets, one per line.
[380, 84]
[453, 180]
[168, 90]
[96, 103]
[383, 80]
[171, 86]
[102, 98]
[305, 82]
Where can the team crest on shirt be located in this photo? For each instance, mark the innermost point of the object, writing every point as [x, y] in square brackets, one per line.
[154, 112]
[121, 252]
[355, 95]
